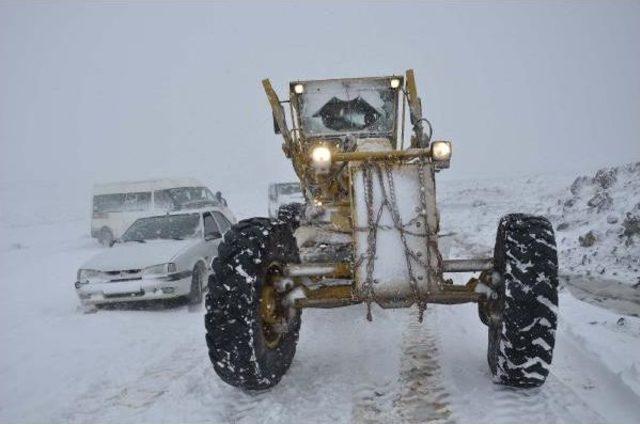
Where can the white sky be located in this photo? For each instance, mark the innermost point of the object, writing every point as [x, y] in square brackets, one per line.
[112, 90]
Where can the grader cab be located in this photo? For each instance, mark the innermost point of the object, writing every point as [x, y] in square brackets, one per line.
[368, 233]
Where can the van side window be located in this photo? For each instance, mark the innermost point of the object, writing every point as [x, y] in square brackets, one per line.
[223, 222]
[210, 225]
[108, 202]
[137, 201]
[162, 199]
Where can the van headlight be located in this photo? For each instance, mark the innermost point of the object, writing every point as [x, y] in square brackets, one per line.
[84, 275]
[321, 159]
[159, 270]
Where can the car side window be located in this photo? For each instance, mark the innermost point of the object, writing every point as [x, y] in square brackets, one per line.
[210, 226]
[223, 222]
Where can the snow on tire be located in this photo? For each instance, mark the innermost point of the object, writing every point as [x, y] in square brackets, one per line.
[241, 351]
[522, 337]
[291, 213]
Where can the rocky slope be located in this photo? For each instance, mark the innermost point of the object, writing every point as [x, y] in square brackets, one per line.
[598, 224]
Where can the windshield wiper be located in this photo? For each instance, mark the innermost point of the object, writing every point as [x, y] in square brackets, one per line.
[176, 238]
[137, 240]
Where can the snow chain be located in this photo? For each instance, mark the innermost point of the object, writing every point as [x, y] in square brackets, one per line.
[373, 224]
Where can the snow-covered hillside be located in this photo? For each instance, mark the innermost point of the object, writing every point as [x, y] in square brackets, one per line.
[151, 365]
[598, 224]
[597, 218]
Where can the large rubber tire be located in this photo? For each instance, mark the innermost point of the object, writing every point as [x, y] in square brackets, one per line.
[197, 284]
[238, 349]
[522, 337]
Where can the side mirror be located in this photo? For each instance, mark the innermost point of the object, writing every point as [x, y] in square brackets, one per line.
[213, 236]
[276, 127]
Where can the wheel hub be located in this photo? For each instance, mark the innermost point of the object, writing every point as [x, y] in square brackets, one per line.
[273, 313]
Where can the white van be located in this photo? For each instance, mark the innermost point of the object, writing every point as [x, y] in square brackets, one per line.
[115, 206]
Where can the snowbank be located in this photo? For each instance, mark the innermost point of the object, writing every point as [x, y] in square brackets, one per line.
[598, 224]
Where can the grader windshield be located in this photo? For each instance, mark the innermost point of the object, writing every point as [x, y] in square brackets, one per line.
[361, 107]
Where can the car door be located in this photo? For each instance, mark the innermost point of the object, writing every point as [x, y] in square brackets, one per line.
[212, 236]
[223, 223]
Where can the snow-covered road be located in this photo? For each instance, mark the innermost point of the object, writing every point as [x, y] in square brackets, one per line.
[151, 365]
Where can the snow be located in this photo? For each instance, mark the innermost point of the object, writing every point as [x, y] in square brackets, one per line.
[133, 256]
[127, 365]
[614, 254]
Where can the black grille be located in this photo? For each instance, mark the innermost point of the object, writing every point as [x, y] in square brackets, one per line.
[121, 295]
[124, 275]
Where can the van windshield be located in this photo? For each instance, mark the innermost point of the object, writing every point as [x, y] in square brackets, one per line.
[184, 197]
[175, 227]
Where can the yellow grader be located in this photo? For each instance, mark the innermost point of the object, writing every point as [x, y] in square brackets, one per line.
[368, 233]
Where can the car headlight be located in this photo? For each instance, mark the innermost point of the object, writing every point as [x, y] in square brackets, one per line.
[84, 275]
[321, 159]
[441, 151]
[162, 269]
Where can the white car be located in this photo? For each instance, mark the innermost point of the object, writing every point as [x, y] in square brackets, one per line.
[157, 257]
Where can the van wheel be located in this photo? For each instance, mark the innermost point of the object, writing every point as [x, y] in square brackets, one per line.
[105, 237]
[197, 284]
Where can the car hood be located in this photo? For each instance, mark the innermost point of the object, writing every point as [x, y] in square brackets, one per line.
[133, 255]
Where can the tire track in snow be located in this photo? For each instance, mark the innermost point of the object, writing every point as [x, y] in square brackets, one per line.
[373, 405]
[605, 293]
[138, 394]
[475, 398]
[418, 395]
[422, 396]
[463, 342]
[240, 407]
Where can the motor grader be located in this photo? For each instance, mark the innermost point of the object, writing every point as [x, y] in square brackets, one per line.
[368, 233]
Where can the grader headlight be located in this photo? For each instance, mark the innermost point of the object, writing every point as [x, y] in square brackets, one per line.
[441, 153]
[321, 159]
[441, 150]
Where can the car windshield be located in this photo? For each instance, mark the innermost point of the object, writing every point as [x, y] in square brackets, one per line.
[163, 227]
[365, 106]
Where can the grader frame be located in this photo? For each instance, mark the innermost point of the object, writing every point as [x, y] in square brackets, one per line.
[327, 284]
